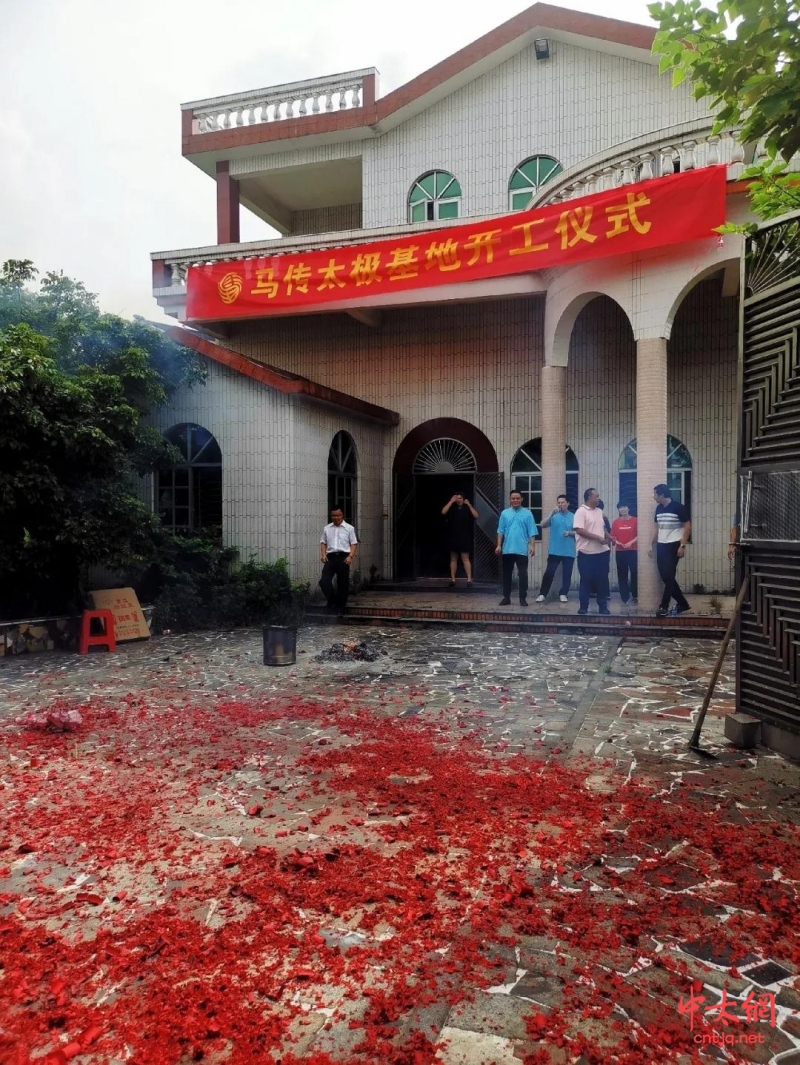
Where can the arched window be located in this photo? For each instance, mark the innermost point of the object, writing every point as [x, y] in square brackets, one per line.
[526, 477]
[528, 178]
[434, 195]
[343, 476]
[189, 495]
[679, 473]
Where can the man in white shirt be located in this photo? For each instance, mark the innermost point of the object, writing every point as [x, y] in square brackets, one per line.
[337, 549]
[594, 552]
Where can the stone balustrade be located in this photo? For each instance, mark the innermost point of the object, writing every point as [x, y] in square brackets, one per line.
[177, 264]
[339, 92]
[689, 146]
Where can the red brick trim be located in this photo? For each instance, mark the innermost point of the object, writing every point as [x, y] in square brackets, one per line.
[162, 276]
[287, 129]
[469, 435]
[279, 380]
[227, 205]
[539, 16]
[535, 17]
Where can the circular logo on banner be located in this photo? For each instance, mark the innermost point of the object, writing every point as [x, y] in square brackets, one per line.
[229, 287]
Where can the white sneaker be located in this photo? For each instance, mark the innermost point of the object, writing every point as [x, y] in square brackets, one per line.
[563, 599]
[539, 598]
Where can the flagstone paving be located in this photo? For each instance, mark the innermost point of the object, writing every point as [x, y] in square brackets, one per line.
[536, 867]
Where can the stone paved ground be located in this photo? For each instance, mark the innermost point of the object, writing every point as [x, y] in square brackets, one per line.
[477, 848]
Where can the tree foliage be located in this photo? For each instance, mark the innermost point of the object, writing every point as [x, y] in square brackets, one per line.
[76, 388]
[744, 56]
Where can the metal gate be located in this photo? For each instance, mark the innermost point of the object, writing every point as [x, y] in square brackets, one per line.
[488, 502]
[768, 631]
[405, 527]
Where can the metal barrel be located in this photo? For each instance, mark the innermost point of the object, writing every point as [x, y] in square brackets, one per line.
[280, 645]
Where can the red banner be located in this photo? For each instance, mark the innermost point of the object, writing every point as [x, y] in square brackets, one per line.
[669, 210]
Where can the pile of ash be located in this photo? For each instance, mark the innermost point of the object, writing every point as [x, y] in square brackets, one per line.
[356, 651]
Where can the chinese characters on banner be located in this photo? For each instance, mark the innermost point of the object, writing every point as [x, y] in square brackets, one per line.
[129, 621]
[634, 218]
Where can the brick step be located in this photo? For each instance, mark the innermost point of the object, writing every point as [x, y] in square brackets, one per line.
[563, 624]
[436, 584]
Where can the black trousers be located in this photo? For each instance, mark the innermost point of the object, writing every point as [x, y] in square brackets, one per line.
[628, 575]
[338, 568]
[593, 569]
[521, 562]
[667, 559]
[553, 562]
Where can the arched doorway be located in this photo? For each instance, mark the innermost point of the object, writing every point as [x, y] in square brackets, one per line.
[433, 462]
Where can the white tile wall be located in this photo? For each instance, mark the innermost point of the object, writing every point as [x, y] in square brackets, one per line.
[320, 153]
[274, 467]
[314, 429]
[571, 106]
[479, 362]
[326, 219]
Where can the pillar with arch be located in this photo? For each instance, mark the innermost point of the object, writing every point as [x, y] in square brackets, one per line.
[649, 290]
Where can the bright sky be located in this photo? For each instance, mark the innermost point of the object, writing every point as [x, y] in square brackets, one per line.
[91, 175]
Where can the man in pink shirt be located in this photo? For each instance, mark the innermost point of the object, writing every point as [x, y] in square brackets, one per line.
[594, 552]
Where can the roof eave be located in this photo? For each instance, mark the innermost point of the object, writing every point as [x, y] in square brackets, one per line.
[278, 381]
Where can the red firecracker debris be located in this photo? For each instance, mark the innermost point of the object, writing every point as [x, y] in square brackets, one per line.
[229, 940]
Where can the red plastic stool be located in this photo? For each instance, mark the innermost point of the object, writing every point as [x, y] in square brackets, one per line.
[103, 639]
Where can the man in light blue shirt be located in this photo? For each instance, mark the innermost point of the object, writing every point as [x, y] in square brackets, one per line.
[516, 539]
[561, 550]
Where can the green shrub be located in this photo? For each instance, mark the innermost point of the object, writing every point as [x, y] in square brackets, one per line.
[196, 583]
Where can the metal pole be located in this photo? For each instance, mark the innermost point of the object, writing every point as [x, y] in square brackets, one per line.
[694, 742]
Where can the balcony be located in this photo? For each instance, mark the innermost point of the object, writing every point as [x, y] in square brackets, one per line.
[226, 131]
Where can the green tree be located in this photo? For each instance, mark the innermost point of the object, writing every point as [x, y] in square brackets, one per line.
[744, 56]
[76, 390]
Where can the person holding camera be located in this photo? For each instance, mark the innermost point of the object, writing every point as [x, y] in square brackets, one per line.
[461, 516]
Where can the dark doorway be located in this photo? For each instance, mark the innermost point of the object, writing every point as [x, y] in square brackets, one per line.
[421, 547]
[433, 492]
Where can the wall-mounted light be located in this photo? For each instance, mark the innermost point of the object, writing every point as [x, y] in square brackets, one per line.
[542, 48]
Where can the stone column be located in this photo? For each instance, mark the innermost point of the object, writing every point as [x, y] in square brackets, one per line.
[651, 448]
[553, 421]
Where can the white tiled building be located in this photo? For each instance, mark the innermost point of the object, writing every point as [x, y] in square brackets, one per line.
[590, 357]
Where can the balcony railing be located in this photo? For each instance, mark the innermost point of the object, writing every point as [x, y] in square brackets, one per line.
[177, 263]
[278, 103]
[688, 146]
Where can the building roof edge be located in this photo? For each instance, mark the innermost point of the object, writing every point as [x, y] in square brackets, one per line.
[278, 380]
